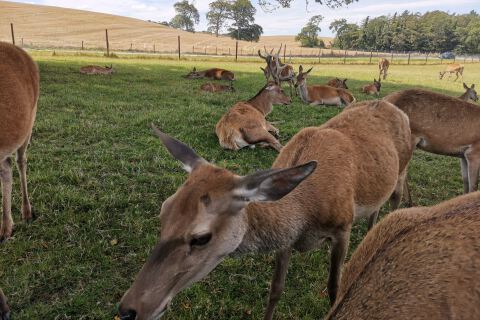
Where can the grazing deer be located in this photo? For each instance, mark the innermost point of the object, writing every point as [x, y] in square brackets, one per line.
[338, 83]
[19, 90]
[443, 125]
[97, 70]
[418, 263]
[4, 309]
[212, 74]
[213, 87]
[244, 125]
[279, 71]
[452, 68]
[373, 88]
[216, 213]
[383, 65]
[469, 95]
[321, 94]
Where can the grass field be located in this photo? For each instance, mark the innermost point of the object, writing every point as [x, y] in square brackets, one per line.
[98, 177]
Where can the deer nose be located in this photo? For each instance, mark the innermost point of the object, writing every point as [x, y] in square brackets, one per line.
[129, 314]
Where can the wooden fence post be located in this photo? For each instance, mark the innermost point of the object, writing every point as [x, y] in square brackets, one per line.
[391, 59]
[284, 50]
[13, 34]
[426, 58]
[371, 55]
[408, 57]
[108, 44]
[216, 50]
[154, 47]
[179, 47]
[236, 50]
[22, 42]
[345, 57]
[82, 45]
[319, 54]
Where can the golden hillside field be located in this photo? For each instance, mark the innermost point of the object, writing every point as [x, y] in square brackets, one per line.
[54, 27]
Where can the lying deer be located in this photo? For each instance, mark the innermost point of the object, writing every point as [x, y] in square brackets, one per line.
[212, 74]
[443, 125]
[373, 88]
[19, 89]
[213, 87]
[279, 71]
[418, 263]
[216, 213]
[97, 70]
[4, 309]
[244, 125]
[383, 65]
[338, 83]
[470, 95]
[321, 94]
[452, 68]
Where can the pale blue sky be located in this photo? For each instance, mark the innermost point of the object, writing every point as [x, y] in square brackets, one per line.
[278, 22]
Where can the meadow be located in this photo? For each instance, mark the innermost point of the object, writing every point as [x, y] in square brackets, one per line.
[98, 177]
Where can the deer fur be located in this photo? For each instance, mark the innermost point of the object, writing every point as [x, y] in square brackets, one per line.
[19, 83]
[338, 83]
[4, 309]
[361, 156]
[419, 263]
[456, 68]
[373, 88]
[321, 94]
[213, 87]
[470, 94]
[443, 125]
[90, 69]
[383, 65]
[244, 125]
[212, 74]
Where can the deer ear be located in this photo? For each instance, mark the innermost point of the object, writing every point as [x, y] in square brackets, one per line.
[179, 150]
[309, 70]
[473, 86]
[262, 69]
[345, 80]
[300, 69]
[194, 69]
[274, 184]
[465, 86]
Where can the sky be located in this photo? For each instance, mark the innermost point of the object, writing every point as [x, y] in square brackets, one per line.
[281, 21]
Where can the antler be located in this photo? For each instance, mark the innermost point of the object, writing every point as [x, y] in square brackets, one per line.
[260, 55]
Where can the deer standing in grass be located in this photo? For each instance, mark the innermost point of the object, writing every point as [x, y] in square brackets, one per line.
[212, 74]
[373, 88]
[338, 83]
[213, 87]
[19, 90]
[279, 71]
[452, 68]
[383, 65]
[470, 94]
[360, 156]
[244, 125]
[443, 125]
[4, 309]
[97, 70]
[321, 94]
[419, 263]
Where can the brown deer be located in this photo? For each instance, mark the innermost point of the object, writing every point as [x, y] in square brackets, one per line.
[338, 83]
[244, 125]
[4, 309]
[321, 94]
[452, 68]
[470, 94]
[373, 88]
[279, 71]
[90, 69]
[383, 65]
[419, 263]
[216, 213]
[212, 74]
[213, 87]
[19, 92]
[443, 125]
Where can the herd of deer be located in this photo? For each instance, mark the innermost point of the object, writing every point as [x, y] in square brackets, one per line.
[420, 263]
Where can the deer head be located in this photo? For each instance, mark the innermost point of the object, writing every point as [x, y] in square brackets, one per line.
[203, 222]
[193, 74]
[377, 84]
[302, 76]
[470, 94]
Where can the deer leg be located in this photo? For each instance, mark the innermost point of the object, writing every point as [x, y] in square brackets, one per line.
[456, 73]
[278, 281]
[4, 309]
[6, 227]
[337, 257]
[22, 168]
[397, 194]
[464, 167]
[272, 129]
[372, 220]
[256, 135]
[473, 161]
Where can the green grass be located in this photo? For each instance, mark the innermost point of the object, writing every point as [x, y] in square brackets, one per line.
[97, 173]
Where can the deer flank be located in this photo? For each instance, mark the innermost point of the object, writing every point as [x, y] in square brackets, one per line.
[450, 69]
[212, 74]
[373, 88]
[213, 87]
[383, 65]
[338, 83]
[96, 70]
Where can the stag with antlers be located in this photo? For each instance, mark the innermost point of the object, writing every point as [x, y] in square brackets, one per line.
[280, 72]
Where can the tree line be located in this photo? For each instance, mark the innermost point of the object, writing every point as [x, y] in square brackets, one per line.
[435, 31]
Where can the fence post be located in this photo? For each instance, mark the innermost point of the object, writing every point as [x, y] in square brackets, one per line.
[391, 59]
[319, 54]
[454, 58]
[284, 50]
[216, 50]
[108, 44]
[236, 50]
[22, 42]
[13, 34]
[205, 50]
[154, 47]
[409, 57]
[82, 45]
[345, 57]
[426, 58]
[371, 55]
[229, 51]
[441, 60]
[178, 47]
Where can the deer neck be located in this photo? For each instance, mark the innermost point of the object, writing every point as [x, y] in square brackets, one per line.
[303, 92]
[262, 103]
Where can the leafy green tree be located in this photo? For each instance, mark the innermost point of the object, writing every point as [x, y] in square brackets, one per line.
[217, 16]
[242, 13]
[268, 4]
[187, 16]
[308, 36]
[252, 32]
[348, 34]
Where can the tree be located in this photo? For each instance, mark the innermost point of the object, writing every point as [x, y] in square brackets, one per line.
[308, 36]
[218, 15]
[242, 13]
[272, 4]
[187, 16]
[251, 32]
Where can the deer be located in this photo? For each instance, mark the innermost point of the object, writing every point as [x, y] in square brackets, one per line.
[213, 87]
[244, 125]
[443, 125]
[417, 263]
[373, 88]
[304, 200]
[4, 309]
[19, 93]
[212, 74]
[383, 65]
[456, 68]
[91, 69]
[279, 71]
[321, 94]
[470, 94]
[338, 83]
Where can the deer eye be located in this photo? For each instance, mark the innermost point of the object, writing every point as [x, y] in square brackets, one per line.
[200, 240]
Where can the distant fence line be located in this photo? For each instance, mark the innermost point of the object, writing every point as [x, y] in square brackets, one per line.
[316, 54]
